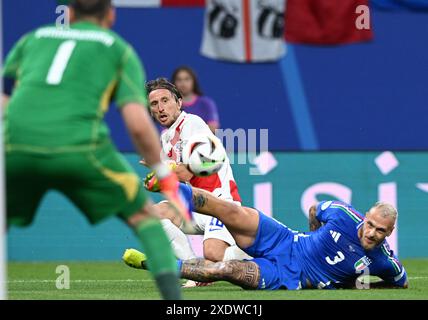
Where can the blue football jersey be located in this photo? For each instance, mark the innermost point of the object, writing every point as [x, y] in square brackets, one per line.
[332, 256]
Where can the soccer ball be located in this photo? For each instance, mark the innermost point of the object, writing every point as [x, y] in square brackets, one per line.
[204, 155]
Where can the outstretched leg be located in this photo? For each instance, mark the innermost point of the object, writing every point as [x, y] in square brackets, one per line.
[245, 274]
[242, 222]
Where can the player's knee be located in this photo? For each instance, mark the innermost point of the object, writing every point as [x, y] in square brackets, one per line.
[213, 255]
[214, 249]
[234, 214]
[164, 210]
[137, 218]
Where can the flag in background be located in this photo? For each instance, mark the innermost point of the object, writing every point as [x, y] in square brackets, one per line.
[247, 30]
[324, 22]
[244, 30]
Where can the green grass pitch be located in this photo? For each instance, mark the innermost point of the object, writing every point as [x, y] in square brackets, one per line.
[114, 280]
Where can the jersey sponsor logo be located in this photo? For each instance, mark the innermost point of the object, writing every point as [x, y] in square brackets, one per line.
[326, 204]
[362, 263]
[335, 235]
[336, 259]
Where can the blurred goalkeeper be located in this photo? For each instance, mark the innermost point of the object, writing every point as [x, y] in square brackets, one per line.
[60, 83]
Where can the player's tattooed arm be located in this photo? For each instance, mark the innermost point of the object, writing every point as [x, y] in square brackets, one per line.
[199, 199]
[314, 224]
[245, 274]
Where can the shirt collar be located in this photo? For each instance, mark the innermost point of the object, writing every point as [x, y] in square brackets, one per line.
[178, 121]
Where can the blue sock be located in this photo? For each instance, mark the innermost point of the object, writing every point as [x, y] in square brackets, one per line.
[179, 264]
[186, 196]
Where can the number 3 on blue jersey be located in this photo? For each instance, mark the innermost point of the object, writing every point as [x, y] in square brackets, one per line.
[338, 258]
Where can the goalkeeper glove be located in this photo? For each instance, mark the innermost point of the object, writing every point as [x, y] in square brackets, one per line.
[169, 186]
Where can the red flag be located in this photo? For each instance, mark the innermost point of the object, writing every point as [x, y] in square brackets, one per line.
[324, 22]
[183, 3]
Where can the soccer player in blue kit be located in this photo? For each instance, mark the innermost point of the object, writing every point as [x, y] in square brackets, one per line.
[341, 246]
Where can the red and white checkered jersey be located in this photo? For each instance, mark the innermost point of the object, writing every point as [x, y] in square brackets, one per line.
[222, 183]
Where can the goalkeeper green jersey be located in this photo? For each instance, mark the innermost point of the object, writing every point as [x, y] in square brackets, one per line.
[65, 81]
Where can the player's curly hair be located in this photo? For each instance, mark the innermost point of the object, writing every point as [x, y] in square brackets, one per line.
[90, 8]
[163, 83]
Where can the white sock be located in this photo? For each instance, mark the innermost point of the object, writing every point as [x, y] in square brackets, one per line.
[235, 253]
[179, 242]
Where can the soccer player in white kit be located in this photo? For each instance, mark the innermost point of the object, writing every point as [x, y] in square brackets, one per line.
[165, 106]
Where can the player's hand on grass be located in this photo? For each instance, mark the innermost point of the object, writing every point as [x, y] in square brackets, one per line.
[165, 180]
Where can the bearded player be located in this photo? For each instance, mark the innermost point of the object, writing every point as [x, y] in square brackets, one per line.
[341, 246]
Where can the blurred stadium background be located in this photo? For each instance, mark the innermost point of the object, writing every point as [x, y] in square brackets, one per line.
[345, 121]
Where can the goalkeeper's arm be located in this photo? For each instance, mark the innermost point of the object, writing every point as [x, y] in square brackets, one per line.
[143, 132]
[147, 142]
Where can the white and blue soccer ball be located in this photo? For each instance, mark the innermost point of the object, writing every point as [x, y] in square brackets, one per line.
[204, 155]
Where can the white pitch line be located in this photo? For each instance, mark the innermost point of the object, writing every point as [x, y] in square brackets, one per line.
[416, 278]
[122, 280]
[80, 281]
